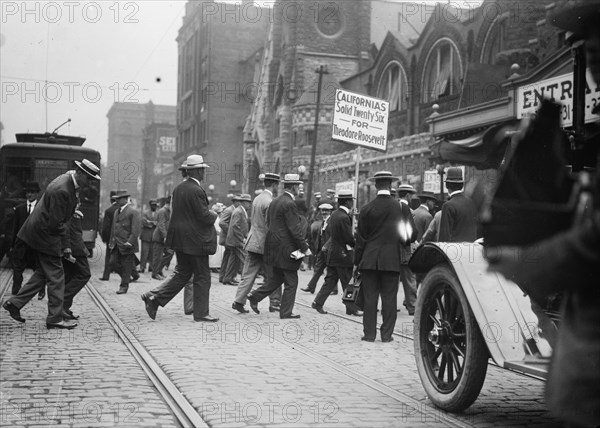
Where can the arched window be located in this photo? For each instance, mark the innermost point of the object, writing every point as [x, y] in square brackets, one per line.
[393, 87]
[494, 41]
[443, 71]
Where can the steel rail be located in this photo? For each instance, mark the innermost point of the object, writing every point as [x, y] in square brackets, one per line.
[182, 409]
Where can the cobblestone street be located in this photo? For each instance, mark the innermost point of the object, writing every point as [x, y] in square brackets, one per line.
[245, 370]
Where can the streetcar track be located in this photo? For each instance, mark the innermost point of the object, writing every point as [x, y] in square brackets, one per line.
[401, 397]
[182, 409]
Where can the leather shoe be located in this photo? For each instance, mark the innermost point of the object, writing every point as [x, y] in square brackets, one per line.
[239, 307]
[134, 276]
[63, 324]
[122, 289]
[355, 313]
[318, 308]
[68, 315]
[42, 294]
[274, 308]
[334, 293]
[389, 339]
[188, 313]
[207, 318]
[366, 339]
[308, 290]
[104, 279]
[234, 283]
[291, 316]
[14, 312]
[253, 305]
[158, 276]
[151, 305]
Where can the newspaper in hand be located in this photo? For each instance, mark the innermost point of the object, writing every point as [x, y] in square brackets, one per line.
[297, 255]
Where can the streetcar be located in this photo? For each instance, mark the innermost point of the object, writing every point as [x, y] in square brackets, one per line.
[41, 158]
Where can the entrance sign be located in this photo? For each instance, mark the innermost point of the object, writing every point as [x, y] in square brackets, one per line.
[559, 89]
[360, 120]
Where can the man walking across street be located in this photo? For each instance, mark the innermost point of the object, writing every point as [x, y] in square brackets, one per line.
[193, 237]
[383, 227]
[45, 231]
[124, 241]
[255, 247]
[234, 241]
[459, 215]
[285, 247]
[320, 237]
[339, 256]
[106, 232]
[149, 222]
[23, 257]
[159, 260]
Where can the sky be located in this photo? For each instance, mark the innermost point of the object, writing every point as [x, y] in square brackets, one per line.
[91, 54]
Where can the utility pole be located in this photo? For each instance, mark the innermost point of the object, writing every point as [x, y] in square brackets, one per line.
[311, 172]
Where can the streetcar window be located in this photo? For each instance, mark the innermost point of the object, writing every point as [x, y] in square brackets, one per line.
[17, 172]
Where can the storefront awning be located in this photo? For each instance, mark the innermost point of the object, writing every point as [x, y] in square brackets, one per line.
[482, 150]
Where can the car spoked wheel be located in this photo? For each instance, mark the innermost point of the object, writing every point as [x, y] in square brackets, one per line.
[450, 352]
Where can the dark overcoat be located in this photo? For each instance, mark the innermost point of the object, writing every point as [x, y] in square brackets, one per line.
[287, 231]
[46, 227]
[107, 222]
[126, 228]
[339, 229]
[192, 226]
[459, 220]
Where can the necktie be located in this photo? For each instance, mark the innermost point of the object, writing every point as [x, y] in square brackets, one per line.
[28, 208]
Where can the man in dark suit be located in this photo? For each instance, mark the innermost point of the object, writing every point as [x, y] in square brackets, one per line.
[383, 228]
[339, 255]
[193, 237]
[459, 215]
[149, 221]
[106, 232]
[423, 214]
[320, 235]
[23, 257]
[124, 240]
[285, 247]
[45, 232]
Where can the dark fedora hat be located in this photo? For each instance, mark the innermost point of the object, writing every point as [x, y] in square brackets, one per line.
[454, 175]
[32, 186]
[427, 195]
[89, 168]
[120, 194]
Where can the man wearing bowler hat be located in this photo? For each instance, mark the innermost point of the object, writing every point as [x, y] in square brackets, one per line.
[124, 240]
[459, 215]
[285, 247]
[192, 235]
[44, 231]
[383, 228]
[339, 256]
[423, 215]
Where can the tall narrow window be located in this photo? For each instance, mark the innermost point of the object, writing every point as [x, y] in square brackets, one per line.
[393, 87]
[442, 71]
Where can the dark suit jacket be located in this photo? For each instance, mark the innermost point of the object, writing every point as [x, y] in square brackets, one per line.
[46, 227]
[287, 229]
[20, 215]
[339, 229]
[422, 218]
[148, 225]
[378, 244]
[459, 220]
[126, 228]
[192, 226]
[107, 222]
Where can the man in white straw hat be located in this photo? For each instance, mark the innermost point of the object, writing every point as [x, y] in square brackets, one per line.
[236, 236]
[193, 237]
[44, 231]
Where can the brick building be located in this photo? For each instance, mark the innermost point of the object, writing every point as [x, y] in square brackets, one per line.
[218, 43]
[125, 163]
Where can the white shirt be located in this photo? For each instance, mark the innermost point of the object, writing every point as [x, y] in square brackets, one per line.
[195, 179]
[345, 208]
[293, 197]
[123, 207]
[384, 192]
[455, 193]
[31, 206]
